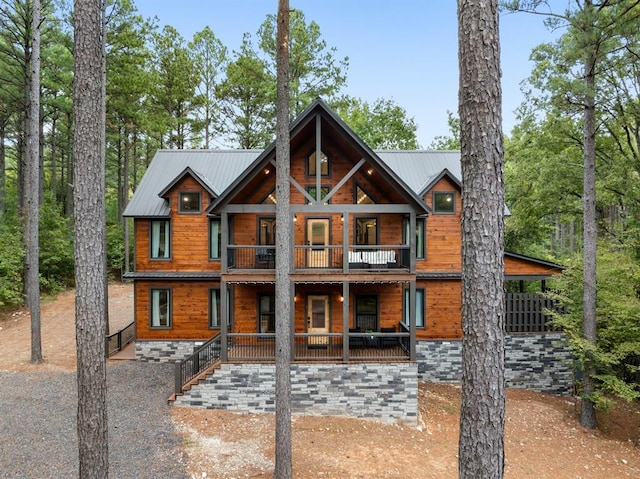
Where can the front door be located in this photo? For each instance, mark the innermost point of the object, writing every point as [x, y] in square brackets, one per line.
[318, 319]
[318, 240]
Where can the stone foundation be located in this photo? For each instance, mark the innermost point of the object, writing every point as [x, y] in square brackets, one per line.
[385, 392]
[165, 351]
[540, 362]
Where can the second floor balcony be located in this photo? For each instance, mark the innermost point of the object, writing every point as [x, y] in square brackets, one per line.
[334, 258]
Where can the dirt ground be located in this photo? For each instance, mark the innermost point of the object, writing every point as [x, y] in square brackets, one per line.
[543, 438]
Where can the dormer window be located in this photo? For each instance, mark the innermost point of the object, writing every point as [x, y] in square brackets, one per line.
[312, 164]
[189, 202]
[444, 202]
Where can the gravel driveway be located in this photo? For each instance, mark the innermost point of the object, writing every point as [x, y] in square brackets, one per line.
[38, 436]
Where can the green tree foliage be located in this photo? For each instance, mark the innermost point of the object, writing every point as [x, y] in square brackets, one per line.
[247, 95]
[543, 187]
[11, 259]
[210, 58]
[616, 353]
[315, 70]
[451, 141]
[383, 125]
[173, 87]
[56, 248]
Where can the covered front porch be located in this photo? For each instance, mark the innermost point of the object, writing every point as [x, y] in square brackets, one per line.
[330, 321]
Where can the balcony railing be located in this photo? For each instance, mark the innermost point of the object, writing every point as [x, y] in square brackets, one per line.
[329, 257]
[370, 346]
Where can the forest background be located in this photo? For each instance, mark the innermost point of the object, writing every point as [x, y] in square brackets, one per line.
[165, 91]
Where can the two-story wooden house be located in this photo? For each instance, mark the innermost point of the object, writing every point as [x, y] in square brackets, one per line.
[375, 274]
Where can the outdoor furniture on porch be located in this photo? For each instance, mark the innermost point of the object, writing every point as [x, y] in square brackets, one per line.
[265, 257]
[390, 340]
[355, 341]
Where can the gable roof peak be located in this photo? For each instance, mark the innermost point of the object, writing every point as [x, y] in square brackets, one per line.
[199, 177]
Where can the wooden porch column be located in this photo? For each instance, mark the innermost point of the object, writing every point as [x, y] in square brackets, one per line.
[345, 321]
[292, 320]
[345, 243]
[412, 244]
[224, 309]
[412, 315]
[224, 233]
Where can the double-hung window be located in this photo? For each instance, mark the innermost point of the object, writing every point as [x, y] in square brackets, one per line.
[215, 239]
[160, 239]
[420, 237]
[160, 308]
[215, 320]
[420, 307]
[267, 313]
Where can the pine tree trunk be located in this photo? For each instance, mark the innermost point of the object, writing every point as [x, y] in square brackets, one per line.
[3, 177]
[481, 446]
[588, 413]
[32, 187]
[89, 216]
[283, 467]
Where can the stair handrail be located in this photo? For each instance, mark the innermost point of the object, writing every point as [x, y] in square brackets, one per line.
[201, 359]
[123, 337]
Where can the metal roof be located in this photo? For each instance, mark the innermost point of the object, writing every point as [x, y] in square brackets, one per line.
[219, 167]
[417, 168]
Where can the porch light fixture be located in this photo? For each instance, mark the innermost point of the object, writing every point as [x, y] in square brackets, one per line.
[370, 171]
[295, 217]
[341, 298]
[342, 218]
[267, 171]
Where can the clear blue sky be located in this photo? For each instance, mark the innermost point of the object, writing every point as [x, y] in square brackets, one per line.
[405, 50]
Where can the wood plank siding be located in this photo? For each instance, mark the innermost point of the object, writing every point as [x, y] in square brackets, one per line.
[444, 233]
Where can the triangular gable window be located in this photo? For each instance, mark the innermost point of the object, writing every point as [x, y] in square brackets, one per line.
[363, 198]
[270, 199]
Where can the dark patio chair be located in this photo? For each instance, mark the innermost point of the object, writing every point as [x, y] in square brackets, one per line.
[355, 341]
[390, 340]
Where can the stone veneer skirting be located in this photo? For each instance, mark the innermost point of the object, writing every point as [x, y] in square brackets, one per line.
[168, 351]
[383, 391]
[540, 362]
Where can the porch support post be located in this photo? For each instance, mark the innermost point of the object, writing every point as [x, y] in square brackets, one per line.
[224, 308]
[412, 244]
[224, 233]
[292, 256]
[345, 243]
[345, 321]
[412, 317]
[292, 321]
[318, 159]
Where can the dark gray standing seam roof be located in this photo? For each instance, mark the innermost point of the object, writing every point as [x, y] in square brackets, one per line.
[417, 168]
[219, 167]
